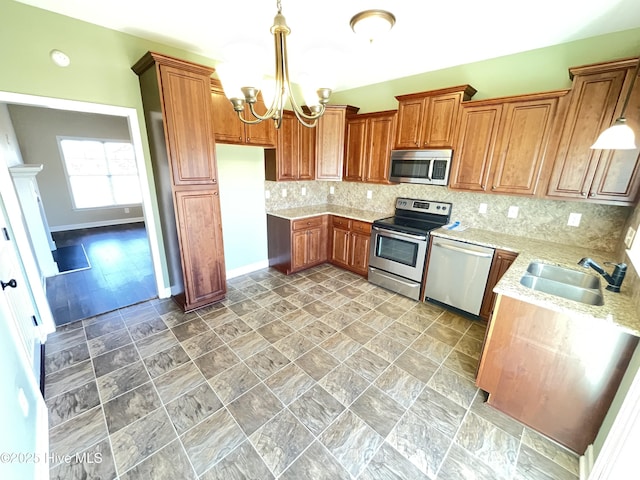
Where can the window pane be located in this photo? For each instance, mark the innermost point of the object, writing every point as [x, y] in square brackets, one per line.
[84, 157]
[126, 190]
[121, 159]
[91, 191]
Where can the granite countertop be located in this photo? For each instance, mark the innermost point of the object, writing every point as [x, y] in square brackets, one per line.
[618, 308]
[328, 209]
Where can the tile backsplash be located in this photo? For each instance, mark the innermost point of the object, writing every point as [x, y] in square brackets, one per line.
[600, 228]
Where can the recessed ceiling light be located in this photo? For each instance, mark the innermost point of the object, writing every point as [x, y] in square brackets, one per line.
[60, 58]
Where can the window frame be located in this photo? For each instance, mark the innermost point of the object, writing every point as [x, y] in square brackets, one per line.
[60, 138]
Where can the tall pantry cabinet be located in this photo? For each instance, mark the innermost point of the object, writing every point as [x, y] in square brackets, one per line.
[179, 118]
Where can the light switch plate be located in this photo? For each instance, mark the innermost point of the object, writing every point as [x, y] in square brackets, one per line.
[284, 192]
[628, 238]
[574, 219]
[369, 194]
[513, 212]
[483, 208]
[332, 190]
[303, 191]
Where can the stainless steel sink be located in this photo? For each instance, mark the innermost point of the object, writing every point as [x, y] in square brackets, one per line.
[563, 275]
[563, 282]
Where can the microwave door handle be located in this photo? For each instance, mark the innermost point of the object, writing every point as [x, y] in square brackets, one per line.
[430, 174]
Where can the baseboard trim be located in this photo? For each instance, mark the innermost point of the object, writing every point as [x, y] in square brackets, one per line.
[586, 463]
[103, 223]
[236, 272]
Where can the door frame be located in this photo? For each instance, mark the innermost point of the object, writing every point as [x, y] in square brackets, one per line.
[14, 212]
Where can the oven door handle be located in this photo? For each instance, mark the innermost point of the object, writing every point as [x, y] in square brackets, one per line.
[401, 234]
[463, 250]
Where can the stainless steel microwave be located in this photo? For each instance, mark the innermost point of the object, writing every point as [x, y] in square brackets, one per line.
[428, 167]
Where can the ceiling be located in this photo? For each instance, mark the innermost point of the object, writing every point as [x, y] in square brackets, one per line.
[428, 35]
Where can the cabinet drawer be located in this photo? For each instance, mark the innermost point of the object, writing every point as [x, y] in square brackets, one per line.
[305, 223]
[341, 222]
[361, 227]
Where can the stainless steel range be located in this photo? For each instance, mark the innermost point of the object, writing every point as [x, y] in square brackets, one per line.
[399, 244]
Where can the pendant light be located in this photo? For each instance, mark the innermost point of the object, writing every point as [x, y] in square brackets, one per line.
[282, 90]
[619, 136]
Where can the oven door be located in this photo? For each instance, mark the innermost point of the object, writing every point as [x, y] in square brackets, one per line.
[398, 253]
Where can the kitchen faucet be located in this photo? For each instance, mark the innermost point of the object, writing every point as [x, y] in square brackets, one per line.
[615, 279]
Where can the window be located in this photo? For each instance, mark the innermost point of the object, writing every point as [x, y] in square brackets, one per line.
[101, 173]
[634, 251]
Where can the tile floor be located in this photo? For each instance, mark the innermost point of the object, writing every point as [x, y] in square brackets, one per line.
[121, 272]
[318, 375]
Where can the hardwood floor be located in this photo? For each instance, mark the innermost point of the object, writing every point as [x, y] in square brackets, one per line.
[121, 273]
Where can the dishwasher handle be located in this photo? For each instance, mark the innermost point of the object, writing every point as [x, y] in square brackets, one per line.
[463, 250]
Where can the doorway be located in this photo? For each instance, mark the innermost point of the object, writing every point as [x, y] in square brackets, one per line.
[153, 237]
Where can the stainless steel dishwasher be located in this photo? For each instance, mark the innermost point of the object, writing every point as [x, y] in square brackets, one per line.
[457, 274]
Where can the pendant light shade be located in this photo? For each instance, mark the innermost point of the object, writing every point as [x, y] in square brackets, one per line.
[619, 136]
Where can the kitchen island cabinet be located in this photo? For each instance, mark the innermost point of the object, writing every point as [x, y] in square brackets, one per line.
[350, 240]
[554, 372]
[227, 127]
[179, 118]
[368, 144]
[428, 119]
[330, 135]
[295, 245]
[294, 155]
[503, 144]
[605, 176]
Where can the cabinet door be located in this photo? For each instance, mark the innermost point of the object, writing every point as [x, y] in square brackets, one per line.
[330, 132]
[523, 138]
[298, 250]
[287, 145]
[441, 116]
[356, 147]
[201, 247]
[502, 260]
[226, 125]
[475, 146]
[410, 113]
[380, 133]
[263, 133]
[316, 246]
[617, 177]
[189, 122]
[591, 110]
[340, 246]
[359, 246]
[306, 139]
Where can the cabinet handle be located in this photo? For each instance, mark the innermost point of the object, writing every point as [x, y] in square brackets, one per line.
[583, 194]
[248, 139]
[484, 187]
[493, 187]
[417, 143]
[592, 194]
[215, 193]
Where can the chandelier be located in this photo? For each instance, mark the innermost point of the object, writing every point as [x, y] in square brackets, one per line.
[307, 116]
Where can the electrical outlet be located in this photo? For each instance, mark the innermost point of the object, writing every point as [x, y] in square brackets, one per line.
[284, 192]
[483, 208]
[628, 238]
[369, 194]
[513, 212]
[303, 191]
[332, 190]
[267, 194]
[574, 219]
[126, 209]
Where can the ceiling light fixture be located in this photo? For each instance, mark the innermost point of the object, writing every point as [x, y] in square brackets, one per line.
[283, 90]
[619, 136]
[372, 23]
[60, 58]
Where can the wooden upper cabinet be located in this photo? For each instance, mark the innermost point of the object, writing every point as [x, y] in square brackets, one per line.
[428, 119]
[473, 154]
[188, 118]
[607, 176]
[368, 145]
[294, 155]
[330, 136]
[229, 129]
[503, 143]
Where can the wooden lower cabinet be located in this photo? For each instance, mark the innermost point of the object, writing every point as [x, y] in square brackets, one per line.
[350, 240]
[502, 260]
[295, 245]
[554, 372]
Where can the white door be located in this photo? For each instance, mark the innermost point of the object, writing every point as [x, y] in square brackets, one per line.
[15, 291]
